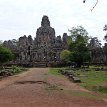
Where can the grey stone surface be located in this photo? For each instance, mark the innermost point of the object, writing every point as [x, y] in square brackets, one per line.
[45, 49]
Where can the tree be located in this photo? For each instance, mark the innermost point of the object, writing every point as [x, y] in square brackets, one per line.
[65, 56]
[78, 47]
[97, 53]
[94, 43]
[79, 30]
[5, 54]
[105, 29]
[1, 43]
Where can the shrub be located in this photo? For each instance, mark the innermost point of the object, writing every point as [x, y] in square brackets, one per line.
[15, 69]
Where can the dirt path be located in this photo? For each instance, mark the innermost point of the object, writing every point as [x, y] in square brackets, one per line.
[37, 88]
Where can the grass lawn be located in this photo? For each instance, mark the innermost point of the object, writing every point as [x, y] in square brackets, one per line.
[90, 79]
[83, 94]
[54, 71]
[93, 80]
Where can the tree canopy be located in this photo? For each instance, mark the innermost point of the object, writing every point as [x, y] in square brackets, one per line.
[79, 53]
[65, 56]
[105, 29]
[1, 43]
[78, 46]
[94, 43]
[78, 31]
[5, 54]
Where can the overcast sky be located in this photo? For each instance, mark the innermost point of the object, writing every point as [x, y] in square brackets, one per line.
[23, 17]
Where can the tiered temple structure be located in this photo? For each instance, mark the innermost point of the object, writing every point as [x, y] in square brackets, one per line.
[44, 50]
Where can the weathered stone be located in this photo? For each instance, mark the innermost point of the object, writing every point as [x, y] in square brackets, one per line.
[45, 34]
[45, 49]
[76, 79]
[65, 39]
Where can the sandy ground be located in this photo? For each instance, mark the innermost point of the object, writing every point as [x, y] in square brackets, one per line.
[37, 88]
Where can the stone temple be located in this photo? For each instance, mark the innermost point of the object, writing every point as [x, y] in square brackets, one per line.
[43, 50]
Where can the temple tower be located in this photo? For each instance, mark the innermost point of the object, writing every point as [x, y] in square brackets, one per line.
[45, 34]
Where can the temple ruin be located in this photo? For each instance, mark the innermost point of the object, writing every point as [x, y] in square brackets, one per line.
[43, 50]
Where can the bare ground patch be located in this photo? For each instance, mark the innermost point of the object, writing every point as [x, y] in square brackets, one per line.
[39, 89]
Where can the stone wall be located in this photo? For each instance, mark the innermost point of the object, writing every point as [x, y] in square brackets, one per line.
[44, 49]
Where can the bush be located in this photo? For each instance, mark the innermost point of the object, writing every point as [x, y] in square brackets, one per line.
[15, 69]
[5, 54]
[65, 56]
[5, 73]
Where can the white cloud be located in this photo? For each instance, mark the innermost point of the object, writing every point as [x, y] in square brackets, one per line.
[24, 16]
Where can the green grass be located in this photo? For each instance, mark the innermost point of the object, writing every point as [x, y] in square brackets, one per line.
[16, 70]
[92, 79]
[54, 71]
[83, 94]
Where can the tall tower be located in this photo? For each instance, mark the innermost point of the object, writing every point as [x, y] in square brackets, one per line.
[45, 34]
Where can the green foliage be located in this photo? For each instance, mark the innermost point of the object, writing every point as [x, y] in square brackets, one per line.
[65, 56]
[1, 43]
[79, 30]
[80, 53]
[69, 40]
[94, 43]
[9, 71]
[5, 54]
[15, 69]
[78, 46]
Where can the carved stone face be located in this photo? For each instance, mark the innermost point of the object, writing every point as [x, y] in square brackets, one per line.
[45, 21]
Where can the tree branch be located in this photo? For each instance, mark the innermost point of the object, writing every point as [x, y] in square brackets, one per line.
[94, 5]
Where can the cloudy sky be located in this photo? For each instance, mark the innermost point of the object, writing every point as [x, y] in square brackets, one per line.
[23, 17]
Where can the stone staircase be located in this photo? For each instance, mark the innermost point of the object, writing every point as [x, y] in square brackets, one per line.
[40, 64]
